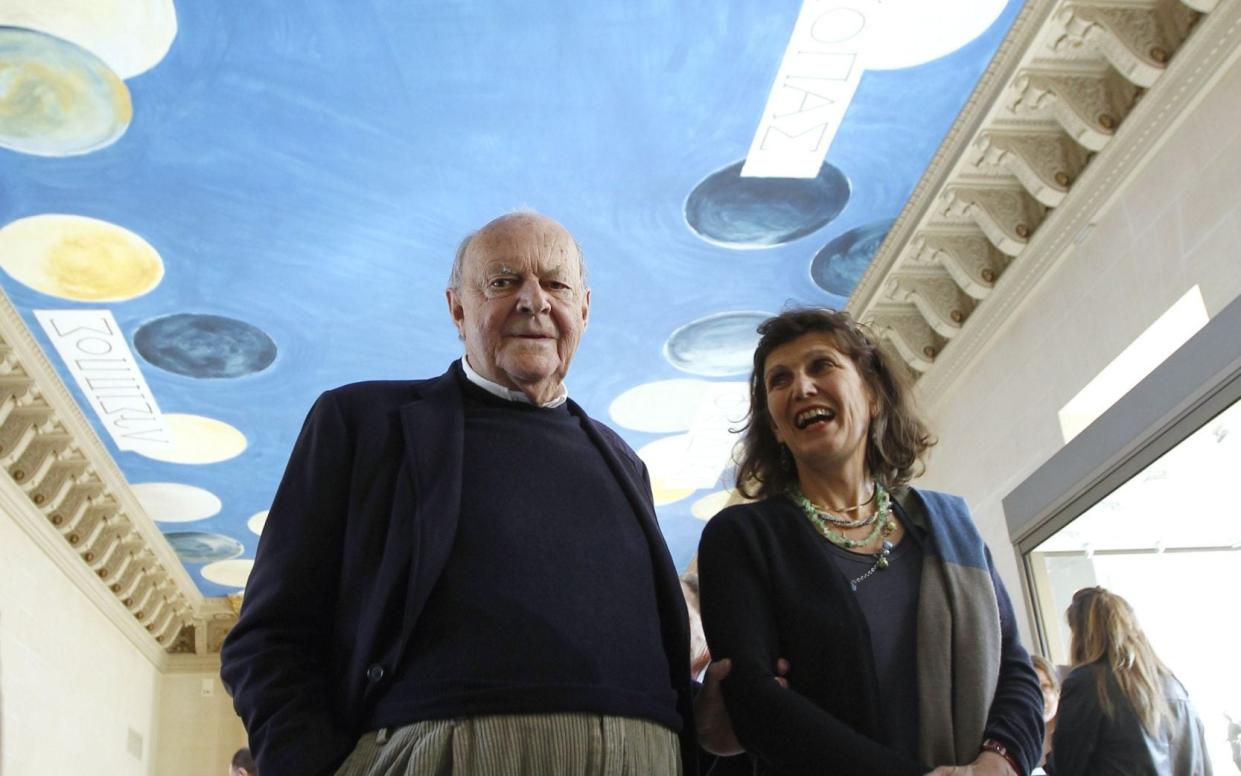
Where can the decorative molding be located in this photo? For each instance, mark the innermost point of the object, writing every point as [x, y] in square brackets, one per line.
[62, 486]
[1085, 101]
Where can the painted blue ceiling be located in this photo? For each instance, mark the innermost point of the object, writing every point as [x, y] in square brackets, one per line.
[305, 171]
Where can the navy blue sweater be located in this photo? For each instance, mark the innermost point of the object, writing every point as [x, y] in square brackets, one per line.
[547, 602]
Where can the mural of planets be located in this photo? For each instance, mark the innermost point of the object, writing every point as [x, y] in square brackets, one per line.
[199, 547]
[208, 346]
[718, 345]
[176, 502]
[840, 264]
[56, 98]
[761, 212]
[267, 199]
[78, 258]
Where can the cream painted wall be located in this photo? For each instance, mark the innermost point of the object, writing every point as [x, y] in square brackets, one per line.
[1176, 224]
[197, 729]
[74, 688]
[76, 694]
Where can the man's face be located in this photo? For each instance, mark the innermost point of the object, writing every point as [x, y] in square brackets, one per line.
[522, 303]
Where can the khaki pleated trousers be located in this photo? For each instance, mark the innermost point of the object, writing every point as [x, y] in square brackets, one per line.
[573, 744]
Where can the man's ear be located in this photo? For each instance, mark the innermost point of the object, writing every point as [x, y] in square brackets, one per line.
[456, 311]
[586, 308]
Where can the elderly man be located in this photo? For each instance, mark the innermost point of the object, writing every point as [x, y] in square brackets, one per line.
[464, 574]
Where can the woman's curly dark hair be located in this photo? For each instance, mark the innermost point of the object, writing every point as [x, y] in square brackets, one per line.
[897, 437]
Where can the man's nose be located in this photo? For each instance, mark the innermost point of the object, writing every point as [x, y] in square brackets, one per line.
[532, 298]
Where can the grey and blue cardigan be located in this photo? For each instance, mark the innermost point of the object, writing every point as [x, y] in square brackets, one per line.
[769, 590]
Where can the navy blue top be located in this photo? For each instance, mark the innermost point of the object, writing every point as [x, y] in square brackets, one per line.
[889, 602]
[529, 616]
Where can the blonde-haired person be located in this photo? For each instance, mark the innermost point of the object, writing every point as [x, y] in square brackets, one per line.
[1049, 683]
[1122, 712]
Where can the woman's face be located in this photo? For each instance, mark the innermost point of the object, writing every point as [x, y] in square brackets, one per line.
[1051, 695]
[820, 407]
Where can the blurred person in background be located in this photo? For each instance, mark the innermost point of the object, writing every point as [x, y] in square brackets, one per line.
[1122, 711]
[1049, 683]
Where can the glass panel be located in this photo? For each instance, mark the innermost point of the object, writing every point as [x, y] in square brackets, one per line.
[1169, 541]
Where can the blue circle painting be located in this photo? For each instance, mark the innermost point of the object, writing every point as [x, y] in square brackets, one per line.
[839, 266]
[199, 547]
[742, 212]
[717, 345]
[206, 346]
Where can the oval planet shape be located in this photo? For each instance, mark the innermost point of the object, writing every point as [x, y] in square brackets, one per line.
[57, 98]
[738, 212]
[840, 264]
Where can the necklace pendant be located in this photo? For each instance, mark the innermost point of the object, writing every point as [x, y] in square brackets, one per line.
[882, 562]
[853, 585]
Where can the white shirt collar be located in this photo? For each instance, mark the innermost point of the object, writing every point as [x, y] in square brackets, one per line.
[495, 389]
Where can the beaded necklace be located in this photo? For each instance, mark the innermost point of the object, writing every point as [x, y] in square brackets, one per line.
[822, 520]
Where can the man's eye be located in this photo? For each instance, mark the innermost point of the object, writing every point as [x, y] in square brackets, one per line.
[501, 282]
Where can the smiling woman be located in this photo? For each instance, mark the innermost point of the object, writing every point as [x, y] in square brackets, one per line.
[830, 445]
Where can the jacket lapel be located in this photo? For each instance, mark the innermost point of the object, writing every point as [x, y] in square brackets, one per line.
[434, 430]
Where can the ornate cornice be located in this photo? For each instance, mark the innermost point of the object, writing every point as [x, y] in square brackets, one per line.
[1078, 98]
[63, 487]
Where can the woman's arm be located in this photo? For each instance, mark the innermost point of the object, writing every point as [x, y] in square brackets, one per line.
[780, 725]
[1016, 715]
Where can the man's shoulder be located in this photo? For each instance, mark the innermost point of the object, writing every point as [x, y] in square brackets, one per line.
[371, 393]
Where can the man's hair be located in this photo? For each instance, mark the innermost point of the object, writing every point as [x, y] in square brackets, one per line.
[242, 759]
[458, 260]
[1106, 632]
[897, 437]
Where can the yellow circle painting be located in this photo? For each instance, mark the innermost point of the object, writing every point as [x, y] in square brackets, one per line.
[78, 258]
[195, 440]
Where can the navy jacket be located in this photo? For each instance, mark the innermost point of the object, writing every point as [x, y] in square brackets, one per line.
[1089, 742]
[357, 535]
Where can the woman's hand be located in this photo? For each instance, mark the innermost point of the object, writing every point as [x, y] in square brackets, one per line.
[987, 764]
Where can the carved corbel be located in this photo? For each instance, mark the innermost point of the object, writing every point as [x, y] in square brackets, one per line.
[1089, 108]
[1007, 216]
[910, 335]
[1045, 164]
[67, 511]
[934, 294]
[969, 258]
[16, 389]
[97, 553]
[84, 532]
[52, 490]
[131, 575]
[168, 637]
[1137, 41]
[114, 566]
[38, 458]
[20, 428]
